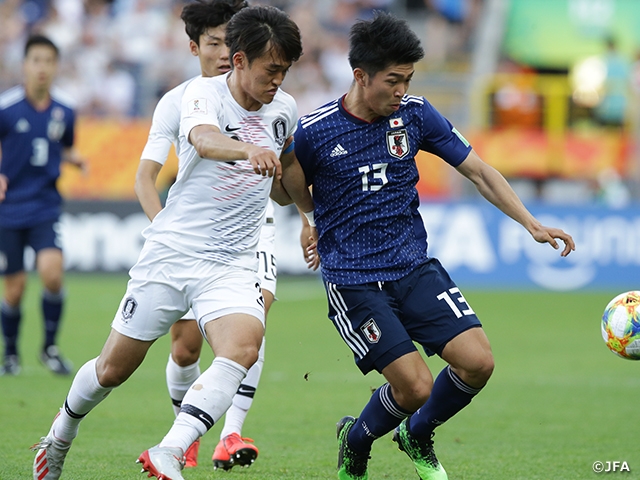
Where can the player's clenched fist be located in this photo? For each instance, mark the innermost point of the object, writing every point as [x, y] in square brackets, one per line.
[265, 162]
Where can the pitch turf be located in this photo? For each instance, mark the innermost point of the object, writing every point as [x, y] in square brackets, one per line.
[557, 403]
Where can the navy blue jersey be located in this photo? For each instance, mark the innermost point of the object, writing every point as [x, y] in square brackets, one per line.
[364, 180]
[32, 143]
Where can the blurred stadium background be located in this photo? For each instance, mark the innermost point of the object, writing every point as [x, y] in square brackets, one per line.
[546, 91]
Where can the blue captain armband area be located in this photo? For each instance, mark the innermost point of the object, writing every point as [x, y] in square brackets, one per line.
[290, 148]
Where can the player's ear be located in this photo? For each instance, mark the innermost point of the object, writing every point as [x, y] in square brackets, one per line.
[239, 60]
[360, 76]
[194, 48]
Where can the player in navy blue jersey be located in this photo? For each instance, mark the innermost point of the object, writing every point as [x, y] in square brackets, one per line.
[36, 135]
[384, 290]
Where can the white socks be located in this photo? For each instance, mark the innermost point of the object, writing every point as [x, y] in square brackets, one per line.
[207, 400]
[242, 400]
[179, 379]
[85, 393]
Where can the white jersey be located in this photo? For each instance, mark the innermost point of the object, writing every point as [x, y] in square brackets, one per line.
[215, 210]
[165, 125]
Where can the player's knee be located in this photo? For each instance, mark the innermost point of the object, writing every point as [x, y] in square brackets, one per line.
[412, 397]
[13, 297]
[111, 375]
[183, 354]
[485, 369]
[110, 378]
[13, 292]
[245, 355]
[478, 374]
[52, 284]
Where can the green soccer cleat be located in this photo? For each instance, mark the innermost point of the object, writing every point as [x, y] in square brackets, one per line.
[421, 452]
[351, 465]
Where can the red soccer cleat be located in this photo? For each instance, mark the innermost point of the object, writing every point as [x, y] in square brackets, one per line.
[191, 455]
[232, 450]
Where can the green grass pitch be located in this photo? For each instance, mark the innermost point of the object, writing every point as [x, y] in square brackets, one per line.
[558, 400]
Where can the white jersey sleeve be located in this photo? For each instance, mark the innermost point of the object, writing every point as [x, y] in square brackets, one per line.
[200, 106]
[165, 126]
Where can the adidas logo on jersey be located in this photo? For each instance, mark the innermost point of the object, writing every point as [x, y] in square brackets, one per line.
[338, 150]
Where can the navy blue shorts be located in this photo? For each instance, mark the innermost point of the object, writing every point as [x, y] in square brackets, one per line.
[14, 240]
[380, 321]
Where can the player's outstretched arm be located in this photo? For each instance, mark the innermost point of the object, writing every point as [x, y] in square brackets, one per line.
[495, 188]
[213, 145]
[71, 156]
[145, 187]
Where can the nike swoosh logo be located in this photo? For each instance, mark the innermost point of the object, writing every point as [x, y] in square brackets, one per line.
[230, 129]
[205, 420]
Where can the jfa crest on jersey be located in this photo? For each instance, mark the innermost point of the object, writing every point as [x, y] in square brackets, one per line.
[56, 125]
[397, 143]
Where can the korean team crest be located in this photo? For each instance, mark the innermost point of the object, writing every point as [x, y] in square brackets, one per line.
[279, 131]
[371, 331]
[129, 308]
[398, 143]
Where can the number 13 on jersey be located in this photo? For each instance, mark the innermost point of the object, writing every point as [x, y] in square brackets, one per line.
[378, 172]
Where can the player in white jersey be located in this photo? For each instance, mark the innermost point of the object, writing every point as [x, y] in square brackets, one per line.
[205, 24]
[200, 249]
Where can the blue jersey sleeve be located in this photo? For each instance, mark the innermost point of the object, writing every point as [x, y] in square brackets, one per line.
[69, 132]
[304, 153]
[441, 138]
[4, 124]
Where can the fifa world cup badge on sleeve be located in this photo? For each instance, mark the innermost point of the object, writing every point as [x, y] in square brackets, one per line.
[197, 106]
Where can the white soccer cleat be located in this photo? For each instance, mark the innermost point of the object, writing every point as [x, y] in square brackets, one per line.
[164, 463]
[50, 455]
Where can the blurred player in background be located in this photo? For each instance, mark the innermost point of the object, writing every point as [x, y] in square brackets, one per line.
[200, 249]
[205, 23]
[36, 136]
[384, 291]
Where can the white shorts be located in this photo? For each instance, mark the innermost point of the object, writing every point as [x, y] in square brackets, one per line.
[267, 268]
[164, 283]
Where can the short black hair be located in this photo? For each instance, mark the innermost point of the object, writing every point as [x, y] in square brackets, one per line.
[382, 41]
[255, 29]
[200, 15]
[34, 40]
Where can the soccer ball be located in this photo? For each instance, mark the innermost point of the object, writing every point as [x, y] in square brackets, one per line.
[621, 325]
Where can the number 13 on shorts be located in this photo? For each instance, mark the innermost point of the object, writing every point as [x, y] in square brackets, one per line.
[451, 296]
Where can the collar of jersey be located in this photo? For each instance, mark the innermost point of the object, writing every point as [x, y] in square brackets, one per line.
[350, 116]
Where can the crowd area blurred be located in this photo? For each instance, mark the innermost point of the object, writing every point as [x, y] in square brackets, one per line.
[119, 56]
[577, 122]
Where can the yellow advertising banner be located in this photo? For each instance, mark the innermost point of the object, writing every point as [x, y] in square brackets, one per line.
[112, 150]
